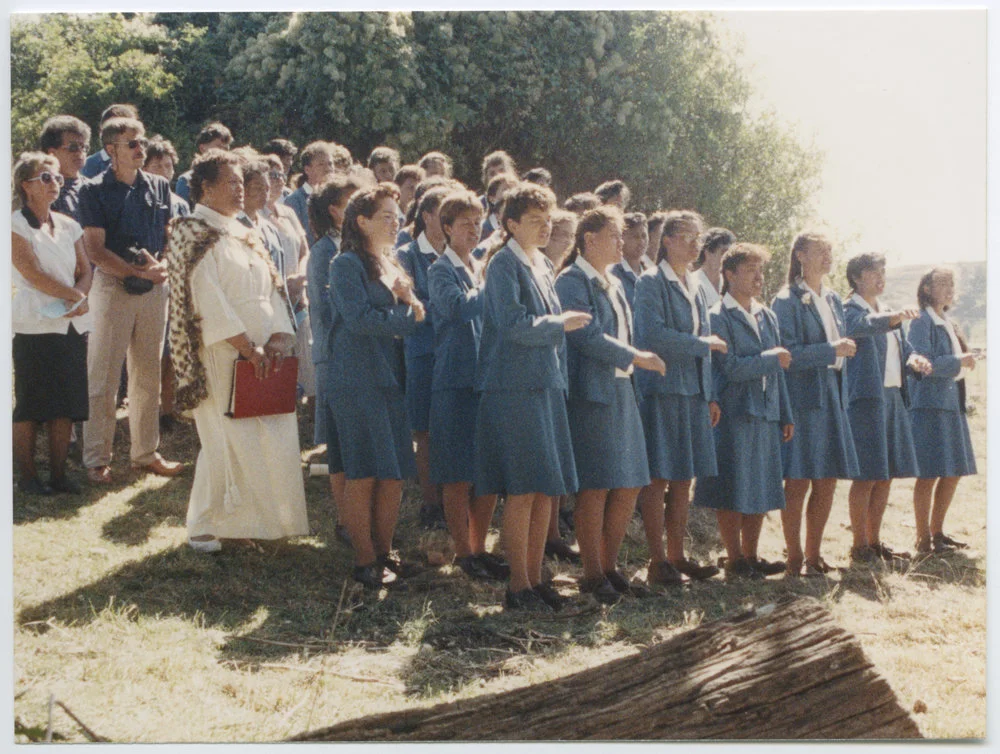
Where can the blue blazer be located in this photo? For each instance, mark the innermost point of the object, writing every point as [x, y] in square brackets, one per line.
[318, 291]
[866, 371]
[403, 238]
[594, 351]
[456, 308]
[524, 344]
[624, 273]
[803, 334]
[663, 325]
[488, 227]
[298, 200]
[366, 323]
[938, 389]
[739, 373]
[416, 264]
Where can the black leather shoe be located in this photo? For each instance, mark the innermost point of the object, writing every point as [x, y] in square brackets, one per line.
[526, 599]
[373, 576]
[497, 566]
[474, 567]
[625, 587]
[64, 485]
[664, 574]
[767, 567]
[695, 570]
[558, 548]
[390, 561]
[742, 570]
[550, 596]
[601, 589]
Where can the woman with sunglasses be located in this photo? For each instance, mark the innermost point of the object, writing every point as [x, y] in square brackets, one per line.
[52, 278]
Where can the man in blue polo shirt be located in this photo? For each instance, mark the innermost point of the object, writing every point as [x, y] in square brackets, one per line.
[124, 214]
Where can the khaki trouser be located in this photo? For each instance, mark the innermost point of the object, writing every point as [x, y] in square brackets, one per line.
[124, 325]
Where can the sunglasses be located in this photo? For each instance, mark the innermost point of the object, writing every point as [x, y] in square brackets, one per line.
[46, 177]
[140, 142]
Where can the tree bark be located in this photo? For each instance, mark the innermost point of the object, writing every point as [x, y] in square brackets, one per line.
[784, 671]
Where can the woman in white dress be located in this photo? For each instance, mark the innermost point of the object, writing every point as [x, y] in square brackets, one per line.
[227, 300]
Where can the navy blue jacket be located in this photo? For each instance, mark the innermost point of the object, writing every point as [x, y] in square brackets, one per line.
[594, 351]
[523, 345]
[937, 390]
[456, 309]
[183, 187]
[318, 291]
[96, 164]
[416, 264]
[68, 202]
[663, 325]
[135, 215]
[866, 371]
[298, 200]
[623, 272]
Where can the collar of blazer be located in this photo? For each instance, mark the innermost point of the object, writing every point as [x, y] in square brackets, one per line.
[805, 296]
[733, 309]
[529, 270]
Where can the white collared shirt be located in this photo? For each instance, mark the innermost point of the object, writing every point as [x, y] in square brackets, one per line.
[956, 347]
[690, 292]
[474, 268]
[750, 316]
[893, 371]
[306, 188]
[425, 246]
[610, 287]
[494, 221]
[825, 314]
[220, 221]
[538, 269]
[712, 296]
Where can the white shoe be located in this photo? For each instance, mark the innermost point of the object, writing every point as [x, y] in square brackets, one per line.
[205, 545]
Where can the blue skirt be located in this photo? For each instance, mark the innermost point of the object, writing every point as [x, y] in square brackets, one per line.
[679, 440]
[944, 447]
[373, 433]
[822, 447]
[523, 444]
[749, 479]
[608, 444]
[419, 375]
[453, 435]
[883, 438]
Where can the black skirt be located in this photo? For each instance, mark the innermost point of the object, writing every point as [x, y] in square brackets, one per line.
[50, 377]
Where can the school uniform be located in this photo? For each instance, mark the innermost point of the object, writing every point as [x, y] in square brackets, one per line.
[877, 394]
[364, 372]
[624, 272]
[670, 321]
[937, 401]
[754, 402]
[456, 310]
[416, 259]
[298, 200]
[320, 322]
[523, 442]
[609, 447]
[403, 239]
[490, 224]
[709, 291]
[823, 446]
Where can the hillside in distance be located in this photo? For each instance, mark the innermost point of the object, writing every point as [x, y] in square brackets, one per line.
[969, 311]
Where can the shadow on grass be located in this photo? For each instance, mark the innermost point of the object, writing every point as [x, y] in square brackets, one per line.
[148, 509]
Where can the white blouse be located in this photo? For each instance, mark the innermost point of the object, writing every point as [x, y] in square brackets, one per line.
[610, 287]
[956, 347]
[826, 314]
[690, 289]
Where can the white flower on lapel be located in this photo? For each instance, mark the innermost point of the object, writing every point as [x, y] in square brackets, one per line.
[807, 299]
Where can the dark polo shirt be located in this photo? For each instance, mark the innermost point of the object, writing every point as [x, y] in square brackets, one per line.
[68, 202]
[135, 215]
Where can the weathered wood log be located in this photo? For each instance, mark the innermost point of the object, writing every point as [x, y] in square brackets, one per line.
[784, 671]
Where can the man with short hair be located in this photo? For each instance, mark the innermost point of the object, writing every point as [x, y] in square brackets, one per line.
[213, 136]
[124, 215]
[317, 164]
[98, 162]
[66, 138]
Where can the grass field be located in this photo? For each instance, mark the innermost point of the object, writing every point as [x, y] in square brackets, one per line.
[146, 641]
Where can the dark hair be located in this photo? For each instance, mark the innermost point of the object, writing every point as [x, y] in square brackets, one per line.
[457, 203]
[341, 156]
[205, 169]
[741, 253]
[328, 194]
[711, 241]
[430, 157]
[609, 190]
[159, 148]
[673, 221]
[499, 157]
[280, 147]
[418, 193]
[312, 150]
[117, 126]
[857, 264]
[384, 154]
[429, 202]
[523, 197]
[580, 203]
[634, 220]
[213, 131]
[54, 128]
[541, 176]
[365, 203]
[408, 173]
[924, 299]
[254, 167]
[802, 242]
[593, 221]
[498, 182]
[273, 161]
[120, 110]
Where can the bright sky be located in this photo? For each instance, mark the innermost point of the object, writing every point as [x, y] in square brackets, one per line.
[897, 102]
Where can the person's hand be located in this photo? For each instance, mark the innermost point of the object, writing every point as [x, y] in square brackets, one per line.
[81, 309]
[919, 364]
[715, 343]
[261, 364]
[278, 346]
[574, 320]
[402, 290]
[969, 360]
[650, 361]
[151, 269]
[844, 347]
[783, 354]
[295, 284]
[787, 432]
[714, 412]
[903, 314]
[419, 313]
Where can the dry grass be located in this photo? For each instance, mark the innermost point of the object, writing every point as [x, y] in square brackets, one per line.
[147, 641]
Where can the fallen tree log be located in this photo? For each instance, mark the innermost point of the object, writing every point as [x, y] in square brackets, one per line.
[784, 671]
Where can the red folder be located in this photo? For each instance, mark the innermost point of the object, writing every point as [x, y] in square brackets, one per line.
[273, 395]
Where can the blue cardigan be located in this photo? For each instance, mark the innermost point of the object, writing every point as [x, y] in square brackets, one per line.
[803, 334]
[937, 390]
[663, 325]
[866, 371]
[456, 308]
[740, 373]
[594, 351]
[366, 322]
[524, 344]
[416, 264]
[318, 291]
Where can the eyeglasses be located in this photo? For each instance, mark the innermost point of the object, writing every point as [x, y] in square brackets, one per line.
[74, 147]
[140, 142]
[46, 177]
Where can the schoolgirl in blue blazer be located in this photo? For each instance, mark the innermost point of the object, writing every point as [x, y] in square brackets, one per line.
[608, 443]
[523, 445]
[373, 306]
[678, 409]
[635, 239]
[756, 414]
[937, 411]
[456, 307]
[811, 317]
[877, 397]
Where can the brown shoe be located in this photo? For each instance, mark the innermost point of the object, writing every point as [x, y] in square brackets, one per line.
[99, 475]
[695, 570]
[664, 574]
[160, 467]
